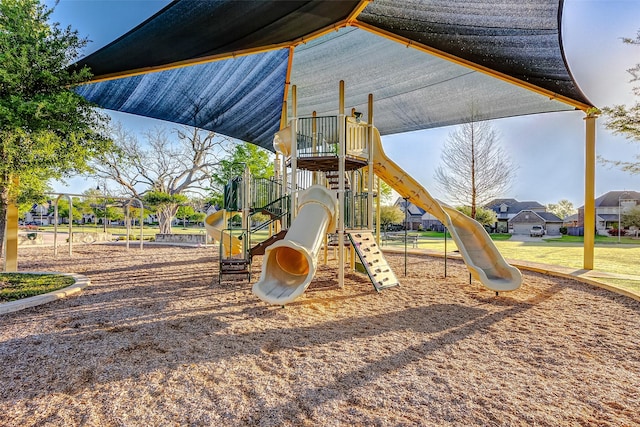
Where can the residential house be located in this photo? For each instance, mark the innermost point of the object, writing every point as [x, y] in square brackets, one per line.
[609, 208]
[418, 218]
[413, 214]
[430, 222]
[507, 209]
[39, 214]
[522, 222]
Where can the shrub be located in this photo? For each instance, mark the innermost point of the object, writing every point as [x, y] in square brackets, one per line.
[614, 232]
[563, 230]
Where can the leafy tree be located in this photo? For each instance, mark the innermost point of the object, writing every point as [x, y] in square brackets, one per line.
[385, 192]
[185, 212]
[562, 209]
[165, 205]
[162, 169]
[256, 158]
[390, 215]
[631, 218]
[483, 216]
[63, 208]
[197, 217]
[625, 120]
[47, 130]
[474, 168]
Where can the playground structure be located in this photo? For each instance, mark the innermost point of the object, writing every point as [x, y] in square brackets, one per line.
[325, 184]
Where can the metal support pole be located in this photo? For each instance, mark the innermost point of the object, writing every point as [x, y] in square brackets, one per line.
[127, 221]
[445, 251]
[55, 225]
[589, 190]
[294, 153]
[341, 189]
[406, 223]
[370, 164]
[378, 211]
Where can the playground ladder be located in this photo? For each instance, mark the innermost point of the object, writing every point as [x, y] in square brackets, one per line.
[373, 260]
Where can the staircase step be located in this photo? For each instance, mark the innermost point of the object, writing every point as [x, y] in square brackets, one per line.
[261, 247]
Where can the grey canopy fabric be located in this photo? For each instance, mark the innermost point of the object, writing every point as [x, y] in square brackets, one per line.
[228, 65]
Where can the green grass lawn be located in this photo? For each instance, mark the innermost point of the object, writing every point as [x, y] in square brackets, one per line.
[438, 235]
[598, 239]
[16, 286]
[609, 256]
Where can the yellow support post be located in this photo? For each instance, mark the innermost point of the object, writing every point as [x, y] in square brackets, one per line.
[589, 190]
[11, 235]
[341, 189]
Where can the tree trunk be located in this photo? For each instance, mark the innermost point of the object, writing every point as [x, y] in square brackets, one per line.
[4, 204]
[165, 215]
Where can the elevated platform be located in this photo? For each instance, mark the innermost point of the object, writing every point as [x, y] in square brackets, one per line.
[327, 163]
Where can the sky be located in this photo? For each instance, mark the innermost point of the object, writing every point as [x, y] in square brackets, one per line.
[548, 149]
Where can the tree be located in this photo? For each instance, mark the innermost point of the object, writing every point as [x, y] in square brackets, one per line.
[197, 217]
[625, 120]
[474, 168]
[47, 130]
[562, 209]
[483, 216]
[390, 215]
[385, 192]
[631, 218]
[185, 212]
[165, 205]
[258, 160]
[63, 208]
[163, 169]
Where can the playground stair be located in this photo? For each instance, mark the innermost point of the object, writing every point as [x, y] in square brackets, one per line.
[373, 260]
[236, 267]
[333, 180]
[262, 246]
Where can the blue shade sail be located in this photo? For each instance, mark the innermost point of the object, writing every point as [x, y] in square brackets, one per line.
[428, 63]
[241, 97]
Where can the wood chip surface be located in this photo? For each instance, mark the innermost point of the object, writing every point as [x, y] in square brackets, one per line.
[157, 341]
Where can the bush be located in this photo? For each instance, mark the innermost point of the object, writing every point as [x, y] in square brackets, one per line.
[614, 232]
[563, 230]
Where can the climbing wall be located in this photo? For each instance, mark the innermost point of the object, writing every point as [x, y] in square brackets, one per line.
[373, 260]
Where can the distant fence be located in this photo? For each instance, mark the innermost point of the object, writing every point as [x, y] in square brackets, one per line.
[575, 231]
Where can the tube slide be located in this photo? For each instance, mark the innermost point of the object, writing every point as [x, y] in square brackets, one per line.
[483, 260]
[215, 225]
[290, 264]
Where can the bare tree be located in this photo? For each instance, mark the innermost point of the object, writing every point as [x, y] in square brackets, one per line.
[625, 120]
[162, 166]
[562, 209]
[474, 168]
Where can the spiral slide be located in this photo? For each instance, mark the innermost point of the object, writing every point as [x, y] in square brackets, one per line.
[483, 260]
[215, 225]
[290, 264]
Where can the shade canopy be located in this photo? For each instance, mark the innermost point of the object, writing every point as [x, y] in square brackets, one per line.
[227, 65]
